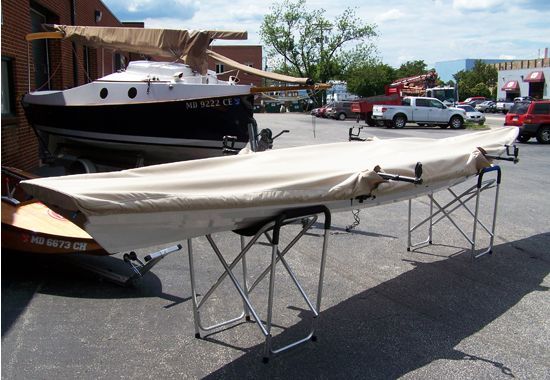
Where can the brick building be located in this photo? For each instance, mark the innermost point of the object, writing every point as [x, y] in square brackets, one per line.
[54, 64]
[58, 65]
[250, 55]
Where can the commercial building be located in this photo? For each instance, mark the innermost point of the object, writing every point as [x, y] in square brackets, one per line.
[524, 78]
[447, 69]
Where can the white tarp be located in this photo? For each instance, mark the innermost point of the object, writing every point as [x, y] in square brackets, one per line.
[315, 174]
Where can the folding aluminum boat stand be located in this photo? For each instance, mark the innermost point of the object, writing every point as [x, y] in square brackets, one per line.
[460, 201]
[277, 255]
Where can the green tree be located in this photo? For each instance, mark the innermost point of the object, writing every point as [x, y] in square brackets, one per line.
[481, 80]
[305, 43]
[369, 78]
[411, 68]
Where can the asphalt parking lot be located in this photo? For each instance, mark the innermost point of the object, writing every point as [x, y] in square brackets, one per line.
[387, 313]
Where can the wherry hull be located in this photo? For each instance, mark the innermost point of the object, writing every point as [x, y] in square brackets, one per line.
[163, 204]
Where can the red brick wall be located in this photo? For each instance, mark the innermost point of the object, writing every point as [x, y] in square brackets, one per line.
[19, 143]
[242, 54]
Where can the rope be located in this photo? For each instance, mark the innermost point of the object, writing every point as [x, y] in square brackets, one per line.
[80, 63]
[50, 77]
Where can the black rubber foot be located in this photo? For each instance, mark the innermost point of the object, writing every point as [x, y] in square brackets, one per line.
[265, 360]
[314, 338]
[248, 319]
[197, 335]
[408, 249]
[430, 242]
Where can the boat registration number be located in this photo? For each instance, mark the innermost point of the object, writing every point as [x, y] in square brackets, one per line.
[212, 103]
[54, 243]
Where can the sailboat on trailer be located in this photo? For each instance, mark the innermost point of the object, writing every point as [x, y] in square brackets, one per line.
[164, 111]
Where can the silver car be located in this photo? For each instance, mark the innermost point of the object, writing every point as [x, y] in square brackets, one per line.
[486, 106]
[472, 115]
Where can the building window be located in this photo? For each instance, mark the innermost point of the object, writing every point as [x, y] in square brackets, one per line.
[8, 108]
[40, 53]
[219, 68]
[119, 62]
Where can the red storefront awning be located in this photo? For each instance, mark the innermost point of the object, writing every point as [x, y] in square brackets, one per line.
[534, 76]
[511, 85]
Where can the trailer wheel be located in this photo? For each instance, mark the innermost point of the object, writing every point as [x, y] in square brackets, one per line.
[399, 121]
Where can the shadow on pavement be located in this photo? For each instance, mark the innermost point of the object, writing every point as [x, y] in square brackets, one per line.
[24, 274]
[409, 321]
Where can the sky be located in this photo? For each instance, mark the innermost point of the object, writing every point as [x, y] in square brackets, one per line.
[429, 30]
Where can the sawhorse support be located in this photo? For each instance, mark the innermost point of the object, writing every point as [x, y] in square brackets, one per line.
[249, 311]
[460, 201]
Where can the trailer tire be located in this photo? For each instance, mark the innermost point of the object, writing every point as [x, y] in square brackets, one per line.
[399, 121]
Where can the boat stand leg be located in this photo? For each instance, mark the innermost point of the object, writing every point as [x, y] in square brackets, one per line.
[314, 309]
[199, 326]
[489, 249]
[460, 201]
[429, 220]
[244, 291]
[245, 277]
[196, 317]
[267, 350]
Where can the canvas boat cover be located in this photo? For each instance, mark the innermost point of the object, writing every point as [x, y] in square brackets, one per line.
[188, 45]
[314, 174]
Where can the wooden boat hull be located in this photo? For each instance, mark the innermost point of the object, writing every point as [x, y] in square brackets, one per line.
[33, 227]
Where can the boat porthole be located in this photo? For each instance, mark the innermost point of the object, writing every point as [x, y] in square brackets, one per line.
[132, 92]
[103, 93]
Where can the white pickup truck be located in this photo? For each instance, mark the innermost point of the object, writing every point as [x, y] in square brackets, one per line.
[420, 110]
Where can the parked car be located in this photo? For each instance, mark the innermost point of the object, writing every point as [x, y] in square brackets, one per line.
[340, 110]
[523, 99]
[504, 105]
[473, 98]
[421, 110]
[514, 117]
[533, 118]
[486, 106]
[473, 103]
[472, 115]
[320, 112]
[315, 111]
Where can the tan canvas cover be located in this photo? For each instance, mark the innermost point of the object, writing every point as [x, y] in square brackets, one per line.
[258, 72]
[188, 45]
[301, 175]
